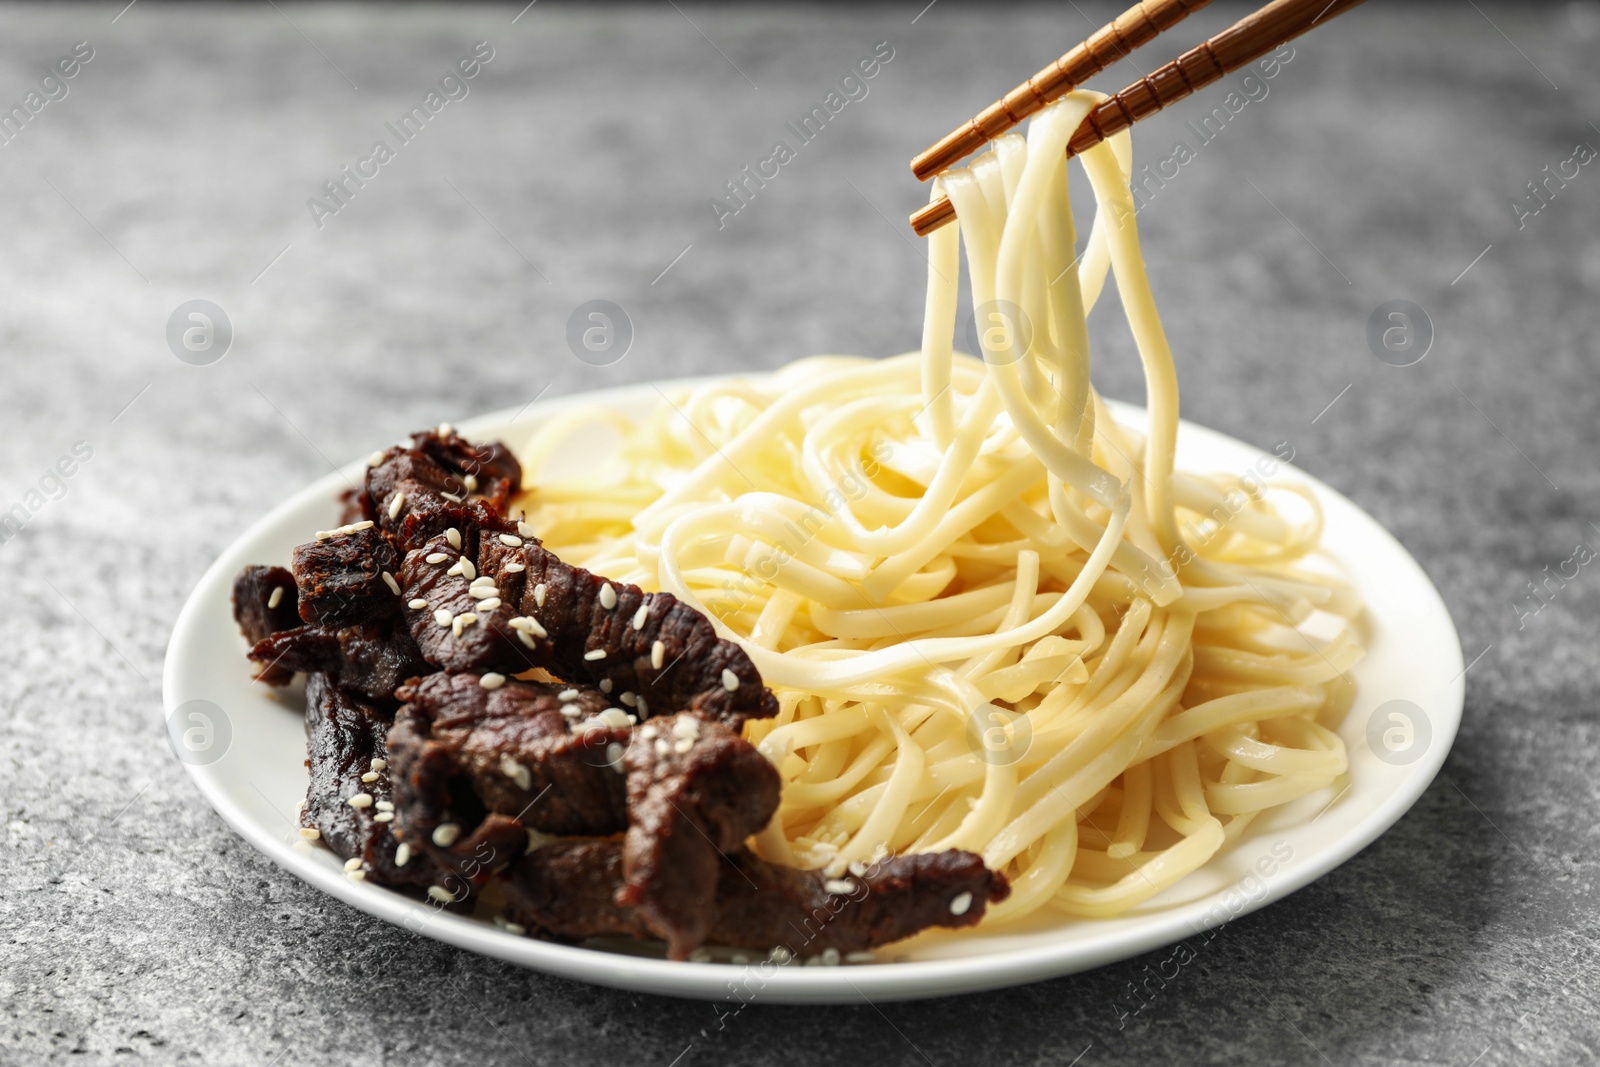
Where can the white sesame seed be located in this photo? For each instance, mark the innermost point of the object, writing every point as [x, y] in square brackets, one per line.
[310, 833]
[468, 571]
[830, 957]
[614, 753]
[442, 616]
[524, 529]
[526, 638]
[516, 772]
[453, 535]
[614, 717]
[529, 624]
[644, 709]
[388, 580]
[445, 834]
[685, 727]
[859, 957]
[452, 497]
[781, 955]
[440, 893]
[642, 614]
[840, 886]
[455, 568]
[662, 747]
[629, 700]
[658, 655]
[436, 557]
[571, 711]
[370, 776]
[489, 604]
[514, 568]
[356, 876]
[739, 958]
[605, 685]
[835, 867]
[402, 855]
[276, 598]
[633, 720]
[360, 800]
[445, 429]
[858, 869]
[379, 764]
[383, 816]
[455, 626]
[511, 540]
[492, 680]
[355, 527]
[396, 502]
[516, 928]
[608, 596]
[567, 694]
[323, 535]
[961, 903]
[595, 654]
[683, 746]
[471, 482]
[538, 594]
[700, 955]
[730, 681]
[375, 459]
[353, 863]
[417, 604]
[384, 805]
[466, 618]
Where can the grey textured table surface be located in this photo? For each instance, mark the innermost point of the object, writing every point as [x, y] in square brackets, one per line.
[1386, 156]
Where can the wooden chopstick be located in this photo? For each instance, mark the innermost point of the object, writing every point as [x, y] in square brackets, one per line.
[1135, 27]
[1245, 41]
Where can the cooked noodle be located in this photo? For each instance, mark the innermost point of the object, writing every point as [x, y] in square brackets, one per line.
[995, 619]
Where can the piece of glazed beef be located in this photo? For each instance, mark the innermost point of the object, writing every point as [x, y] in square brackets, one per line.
[348, 802]
[439, 481]
[347, 576]
[559, 892]
[265, 602]
[535, 752]
[696, 791]
[493, 600]
[371, 660]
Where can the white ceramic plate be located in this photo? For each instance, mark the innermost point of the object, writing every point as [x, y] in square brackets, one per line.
[246, 754]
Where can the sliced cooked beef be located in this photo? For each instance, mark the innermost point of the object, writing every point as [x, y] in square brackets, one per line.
[566, 891]
[460, 625]
[520, 606]
[418, 492]
[351, 814]
[696, 791]
[488, 470]
[559, 891]
[762, 905]
[345, 576]
[483, 767]
[265, 602]
[461, 751]
[371, 660]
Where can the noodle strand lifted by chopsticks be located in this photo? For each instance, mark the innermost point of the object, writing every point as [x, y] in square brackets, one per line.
[994, 618]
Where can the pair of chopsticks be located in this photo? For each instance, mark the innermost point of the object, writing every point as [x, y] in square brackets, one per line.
[1245, 41]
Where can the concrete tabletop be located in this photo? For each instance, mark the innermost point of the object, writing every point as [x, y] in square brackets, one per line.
[1388, 159]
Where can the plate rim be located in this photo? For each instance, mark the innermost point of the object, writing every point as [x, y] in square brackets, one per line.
[904, 980]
